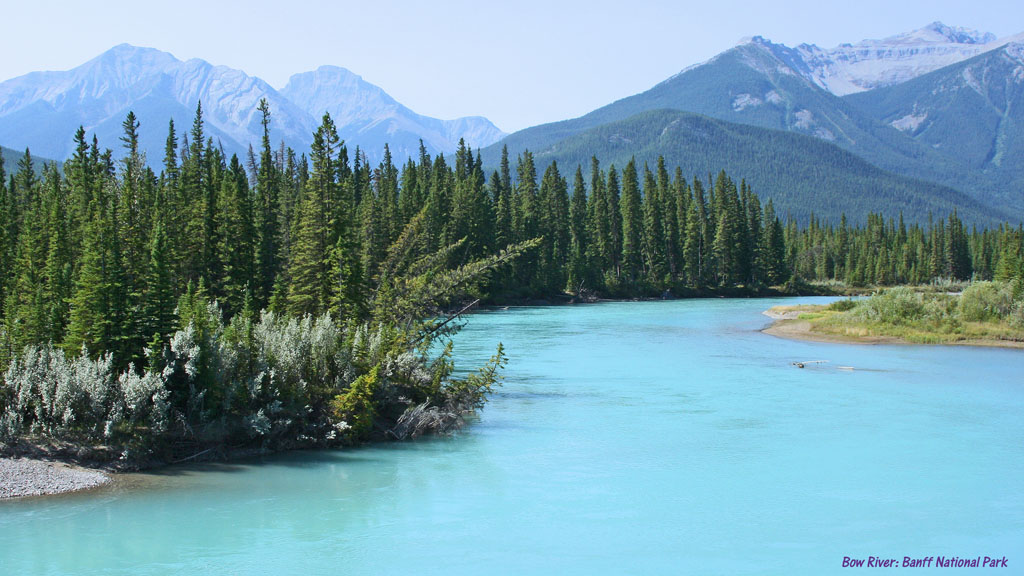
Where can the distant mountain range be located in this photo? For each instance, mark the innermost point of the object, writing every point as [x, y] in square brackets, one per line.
[919, 122]
[803, 175]
[966, 142]
[41, 110]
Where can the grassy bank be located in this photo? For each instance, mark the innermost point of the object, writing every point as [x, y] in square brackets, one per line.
[985, 313]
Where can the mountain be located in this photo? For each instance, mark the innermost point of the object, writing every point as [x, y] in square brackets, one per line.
[803, 175]
[869, 64]
[367, 115]
[12, 157]
[42, 110]
[768, 85]
[972, 111]
[762, 84]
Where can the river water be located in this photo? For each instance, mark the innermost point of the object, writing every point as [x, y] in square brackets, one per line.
[629, 438]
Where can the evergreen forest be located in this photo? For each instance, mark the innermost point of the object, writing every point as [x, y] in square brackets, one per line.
[305, 298]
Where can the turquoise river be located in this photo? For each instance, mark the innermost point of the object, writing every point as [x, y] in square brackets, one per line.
[628, 438]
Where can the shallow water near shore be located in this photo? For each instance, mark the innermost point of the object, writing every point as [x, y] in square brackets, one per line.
[640, 438]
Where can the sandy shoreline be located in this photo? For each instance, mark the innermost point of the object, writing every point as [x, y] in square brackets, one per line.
[30, 477]
[788, 325]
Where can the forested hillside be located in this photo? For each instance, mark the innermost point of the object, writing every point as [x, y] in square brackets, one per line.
[970, 112]
[803, 176]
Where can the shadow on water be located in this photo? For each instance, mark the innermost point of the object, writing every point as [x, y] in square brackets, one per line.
[292, 459]
[522, 395]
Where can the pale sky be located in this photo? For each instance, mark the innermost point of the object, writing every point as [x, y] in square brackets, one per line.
[519, 63]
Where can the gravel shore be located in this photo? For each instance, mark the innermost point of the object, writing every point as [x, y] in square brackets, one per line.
[28, 477]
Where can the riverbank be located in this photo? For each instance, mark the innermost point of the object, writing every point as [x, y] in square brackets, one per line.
[21, 477]
[501, 302]
[816, 323]
[789, 324]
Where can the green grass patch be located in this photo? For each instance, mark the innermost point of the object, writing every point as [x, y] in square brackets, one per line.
[984, 311]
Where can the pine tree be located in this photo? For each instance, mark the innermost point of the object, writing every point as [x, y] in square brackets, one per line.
[755, 231]
[697, 247]
[194, 202]
[773, 245]
[727, 242]
[27, 316]
[310, 286]
[158, 316]
[525, 217]
[387, 193]
[598, 222]
[236, 237]
[372, 233]
[97, 318]
[57, 276]
[613, 257]
[7, 236]
[958, 265]
[579, 243]
[669, 198]
[655, 261]
[268, 261]
[554, 229]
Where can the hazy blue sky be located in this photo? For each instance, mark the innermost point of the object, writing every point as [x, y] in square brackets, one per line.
[519, 63]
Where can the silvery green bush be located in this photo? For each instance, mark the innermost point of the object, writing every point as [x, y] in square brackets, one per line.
[272, 381]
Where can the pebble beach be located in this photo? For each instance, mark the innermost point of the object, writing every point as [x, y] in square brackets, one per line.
[28, 477]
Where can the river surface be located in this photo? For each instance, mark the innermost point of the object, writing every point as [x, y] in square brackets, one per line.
[629, 438]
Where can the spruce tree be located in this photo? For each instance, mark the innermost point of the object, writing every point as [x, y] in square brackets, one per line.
[598, 222]
[158, 317]
[311, 287]
[632, 225]
[655, 258]
[268, 261]
[7, 239]
[554, 229]
[26, 306]
[236, 237]
[613, 257]
[672, 246]
[579, 244]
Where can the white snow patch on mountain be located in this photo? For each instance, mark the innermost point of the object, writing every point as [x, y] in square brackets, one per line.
[743, 101]
[804, 119]
[825, 134]
[850, 68]
[909, 123]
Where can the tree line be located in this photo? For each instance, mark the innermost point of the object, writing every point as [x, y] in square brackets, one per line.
[106, 256]
[99, 254]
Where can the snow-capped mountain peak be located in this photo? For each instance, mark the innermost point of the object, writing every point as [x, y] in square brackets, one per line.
[41, 110]
[939, 33]
[869, 64]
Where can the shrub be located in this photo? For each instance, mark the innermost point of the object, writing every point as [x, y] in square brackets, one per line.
[842, 305]
[983, 301]
[357, 407]
[1016, 317]
[894, 306]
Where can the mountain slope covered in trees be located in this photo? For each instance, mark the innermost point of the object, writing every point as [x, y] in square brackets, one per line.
[768, 85]
[758, 83]
[802, 174]
[972, 111]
